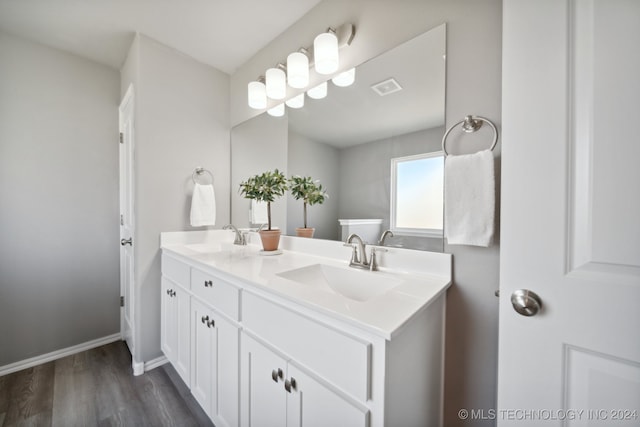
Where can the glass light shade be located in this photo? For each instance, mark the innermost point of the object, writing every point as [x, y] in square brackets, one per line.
[257, 93]
[318, 92]
[345, 79]
[277, 111]
[325, 53]
[296, 101]
[298, 70]
[276, 83]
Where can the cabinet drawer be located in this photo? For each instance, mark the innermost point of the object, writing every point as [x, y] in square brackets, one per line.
[341, 359]
[216, 292]
[175, 270]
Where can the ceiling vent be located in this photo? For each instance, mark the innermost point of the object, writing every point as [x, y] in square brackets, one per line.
[386, 87]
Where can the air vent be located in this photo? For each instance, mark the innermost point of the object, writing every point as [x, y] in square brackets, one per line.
[386, 87]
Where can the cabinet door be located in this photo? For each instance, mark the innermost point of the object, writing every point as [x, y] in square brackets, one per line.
[182, 324]
[264, 401]
[225, 403]
[168, 315]
[312, 404]
[203, 358]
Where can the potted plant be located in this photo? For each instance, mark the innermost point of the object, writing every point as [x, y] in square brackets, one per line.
[266, 187]
[311, 193]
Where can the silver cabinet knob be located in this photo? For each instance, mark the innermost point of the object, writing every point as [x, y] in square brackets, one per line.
[290, 384]
[126, 242]
[277, 374]
[526, 302]
[205, 319]
[211, 323]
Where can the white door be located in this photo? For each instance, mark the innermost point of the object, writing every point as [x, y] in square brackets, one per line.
[570, 221]
[127, 220]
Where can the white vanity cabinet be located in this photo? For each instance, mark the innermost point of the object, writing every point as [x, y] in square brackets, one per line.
[200, 337]
[262, 355]
[214, 362]
[175, 319]
[334, 374]
[273, 390]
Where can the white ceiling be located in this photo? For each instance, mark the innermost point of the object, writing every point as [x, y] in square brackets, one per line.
[221, 33]
[356, 114]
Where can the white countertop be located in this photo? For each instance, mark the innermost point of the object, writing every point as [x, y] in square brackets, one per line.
[424, 276]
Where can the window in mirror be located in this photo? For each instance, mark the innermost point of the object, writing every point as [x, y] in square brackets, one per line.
[417, 194]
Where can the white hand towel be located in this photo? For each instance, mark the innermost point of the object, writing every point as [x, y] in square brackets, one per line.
[259, 212]
[203, 206]
[469, 199]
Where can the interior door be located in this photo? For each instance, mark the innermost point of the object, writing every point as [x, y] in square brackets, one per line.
[570, 227]
[126, 114]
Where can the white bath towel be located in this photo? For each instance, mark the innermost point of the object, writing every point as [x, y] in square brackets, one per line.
[203, 206]
[258, 212]
[469, 199]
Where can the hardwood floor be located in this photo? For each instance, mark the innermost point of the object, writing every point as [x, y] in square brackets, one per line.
[97, 388]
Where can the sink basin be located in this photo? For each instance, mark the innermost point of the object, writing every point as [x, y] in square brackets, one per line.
[357, 285]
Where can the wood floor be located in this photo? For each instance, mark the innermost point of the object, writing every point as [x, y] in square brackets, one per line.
[97, 388]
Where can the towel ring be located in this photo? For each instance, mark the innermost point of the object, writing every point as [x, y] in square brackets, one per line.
[471, 124]
[199, 171]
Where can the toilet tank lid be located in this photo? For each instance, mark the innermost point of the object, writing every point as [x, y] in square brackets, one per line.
[359, 221]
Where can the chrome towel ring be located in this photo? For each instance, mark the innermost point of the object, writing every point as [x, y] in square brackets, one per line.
[471, 124]
[198, 172]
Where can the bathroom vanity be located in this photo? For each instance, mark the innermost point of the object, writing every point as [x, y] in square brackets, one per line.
[300, 338]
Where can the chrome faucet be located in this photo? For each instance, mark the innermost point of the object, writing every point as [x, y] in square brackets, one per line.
[385, 234]
[359, 254]
[240, 239]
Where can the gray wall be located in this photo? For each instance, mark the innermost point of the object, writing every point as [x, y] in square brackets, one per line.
[365, 174]
[473, 87]
[59, 280]
[321, 162]
[182, 121]
[249, 158]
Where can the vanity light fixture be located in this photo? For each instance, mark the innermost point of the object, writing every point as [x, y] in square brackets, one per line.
[257, 93]
[296, 101]
[345, 79]
[298, 69]
[325, 52]
[276, 82]
[323, 56]
[277, 111]
[318, 92]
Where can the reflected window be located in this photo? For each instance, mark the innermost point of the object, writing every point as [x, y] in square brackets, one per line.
[417, 194]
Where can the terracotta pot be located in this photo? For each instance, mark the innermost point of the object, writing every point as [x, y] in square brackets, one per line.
[305, 232]
[270, 239]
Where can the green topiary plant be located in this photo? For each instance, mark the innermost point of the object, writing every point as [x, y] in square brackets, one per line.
[265, 187]
[310, 191]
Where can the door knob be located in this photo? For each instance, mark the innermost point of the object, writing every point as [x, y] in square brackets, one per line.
[526, 302]
[126, 241]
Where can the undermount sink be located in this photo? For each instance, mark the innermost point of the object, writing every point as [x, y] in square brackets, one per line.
[357, 285]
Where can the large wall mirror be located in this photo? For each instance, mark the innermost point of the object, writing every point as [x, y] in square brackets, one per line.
[352, 142]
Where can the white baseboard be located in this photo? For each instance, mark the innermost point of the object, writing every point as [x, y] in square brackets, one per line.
[58, 354]
[158, 361]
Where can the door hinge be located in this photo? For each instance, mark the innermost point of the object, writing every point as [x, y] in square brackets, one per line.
[121, 219]
[121, 301]
[121, 138]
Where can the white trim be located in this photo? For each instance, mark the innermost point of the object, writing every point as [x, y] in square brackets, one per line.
[154, 363]
[58, 354]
